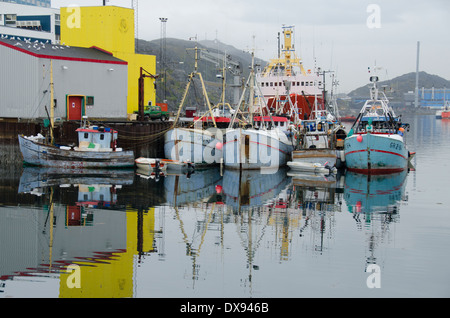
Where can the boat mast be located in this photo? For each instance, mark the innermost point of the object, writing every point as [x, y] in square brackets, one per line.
[190, 79]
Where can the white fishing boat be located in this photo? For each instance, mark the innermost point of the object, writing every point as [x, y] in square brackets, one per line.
[97, 148]
[263, 141]
[255, 149]
[196, 145]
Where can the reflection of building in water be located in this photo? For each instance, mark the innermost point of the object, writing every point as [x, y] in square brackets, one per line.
[374, 201]
[79, 224]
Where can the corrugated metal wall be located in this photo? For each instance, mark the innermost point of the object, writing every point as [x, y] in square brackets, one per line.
[107, 83]
[19, 84]
[25, 86]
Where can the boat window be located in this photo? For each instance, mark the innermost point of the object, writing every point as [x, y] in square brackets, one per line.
[276, 83]
[102, 137]
[280, 84]
[303, 83]
[262, 84]
[311, 84]
[271, 84]
[306, 83]
[86, 135]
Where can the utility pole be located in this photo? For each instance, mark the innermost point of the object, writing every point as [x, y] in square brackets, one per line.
[162, 56]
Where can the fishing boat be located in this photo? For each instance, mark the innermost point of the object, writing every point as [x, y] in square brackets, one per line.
[183, 142]
[375, 143]
[97, 148]
[250, 148]
[261, 140]
[320, 140]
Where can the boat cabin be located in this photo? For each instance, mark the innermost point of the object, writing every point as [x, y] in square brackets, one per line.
[95, 138]
[280, 122]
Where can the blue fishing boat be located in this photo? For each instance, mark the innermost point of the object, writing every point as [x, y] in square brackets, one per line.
[375, 143]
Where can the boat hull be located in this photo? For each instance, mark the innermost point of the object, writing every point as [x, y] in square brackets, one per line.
[37, 154]
[193, 145]
[376, 153]
[248, 149]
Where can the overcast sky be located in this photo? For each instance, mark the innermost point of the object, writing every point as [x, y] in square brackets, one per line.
[346, 36]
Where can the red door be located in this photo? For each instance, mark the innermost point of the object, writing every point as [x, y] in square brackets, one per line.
[74, 107]
[73, 215]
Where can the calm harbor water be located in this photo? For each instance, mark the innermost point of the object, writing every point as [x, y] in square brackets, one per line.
[228, 234]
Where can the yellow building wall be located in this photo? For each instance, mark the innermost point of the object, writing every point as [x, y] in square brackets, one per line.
[113, 278]
[112, 29]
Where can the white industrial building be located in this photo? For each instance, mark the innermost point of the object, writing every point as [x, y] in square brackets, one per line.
[30, 21]
[86, 81]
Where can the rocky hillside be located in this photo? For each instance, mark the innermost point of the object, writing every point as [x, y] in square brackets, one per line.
[398, 86]
[180, 63]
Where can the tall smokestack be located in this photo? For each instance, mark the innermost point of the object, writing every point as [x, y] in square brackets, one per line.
[416, 101]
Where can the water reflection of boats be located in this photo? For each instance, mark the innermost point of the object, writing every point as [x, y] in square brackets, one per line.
[35, 178]
[332, 180]
[318, 198]
[374, 193]
[196, 187]
[374, 201]
[76, 220]
[247, 188]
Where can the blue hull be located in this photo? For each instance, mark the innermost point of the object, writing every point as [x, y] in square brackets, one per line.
[376, 153]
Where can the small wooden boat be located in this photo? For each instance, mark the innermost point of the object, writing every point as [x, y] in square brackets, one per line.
[149, 164]
[97, 148]
[155, 164]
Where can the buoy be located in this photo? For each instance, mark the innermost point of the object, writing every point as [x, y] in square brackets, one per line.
[219, 145]
[218, 189]
[359, 138]
[358, 206]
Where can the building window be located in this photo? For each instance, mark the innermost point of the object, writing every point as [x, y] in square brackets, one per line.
[89, 100]
[10, 20]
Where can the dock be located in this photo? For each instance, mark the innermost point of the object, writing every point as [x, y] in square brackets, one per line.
[145, 138]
